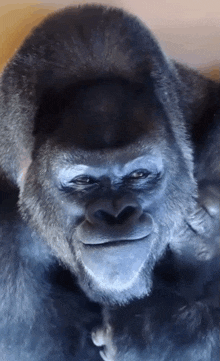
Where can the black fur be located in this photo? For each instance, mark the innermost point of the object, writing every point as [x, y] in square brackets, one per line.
[91, 86]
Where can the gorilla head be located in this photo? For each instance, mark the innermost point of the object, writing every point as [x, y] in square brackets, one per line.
[100, 152]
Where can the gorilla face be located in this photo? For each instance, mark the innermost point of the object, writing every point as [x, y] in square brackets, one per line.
[108, 207]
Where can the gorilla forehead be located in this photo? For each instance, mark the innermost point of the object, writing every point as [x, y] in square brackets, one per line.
[101, 114]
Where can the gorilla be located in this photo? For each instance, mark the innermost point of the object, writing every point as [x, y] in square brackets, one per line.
[110, 175]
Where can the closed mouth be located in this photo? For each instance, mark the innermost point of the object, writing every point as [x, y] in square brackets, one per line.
[116, 243]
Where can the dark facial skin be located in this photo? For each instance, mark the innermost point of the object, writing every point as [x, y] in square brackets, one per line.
[107, 204]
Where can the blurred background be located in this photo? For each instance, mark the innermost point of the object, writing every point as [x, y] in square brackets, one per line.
[188, 30]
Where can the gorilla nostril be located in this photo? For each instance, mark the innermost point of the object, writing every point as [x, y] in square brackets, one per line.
[105, 217]
[125, 214]
[110, 219]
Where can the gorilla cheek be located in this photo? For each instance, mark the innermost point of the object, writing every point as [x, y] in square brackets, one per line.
[116, 267]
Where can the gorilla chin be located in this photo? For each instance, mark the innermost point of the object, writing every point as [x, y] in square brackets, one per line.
[117, 272]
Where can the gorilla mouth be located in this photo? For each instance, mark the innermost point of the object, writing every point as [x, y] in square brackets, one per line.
[115, 243]
[134, 229]
[116, 264]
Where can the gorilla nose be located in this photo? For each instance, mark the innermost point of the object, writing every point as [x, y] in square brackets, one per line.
[109, 221]
[113, 213]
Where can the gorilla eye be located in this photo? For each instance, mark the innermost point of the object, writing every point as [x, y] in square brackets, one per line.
[83, 180]
[139, 174]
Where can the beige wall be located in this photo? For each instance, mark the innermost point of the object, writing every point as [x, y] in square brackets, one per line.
[188, 30]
